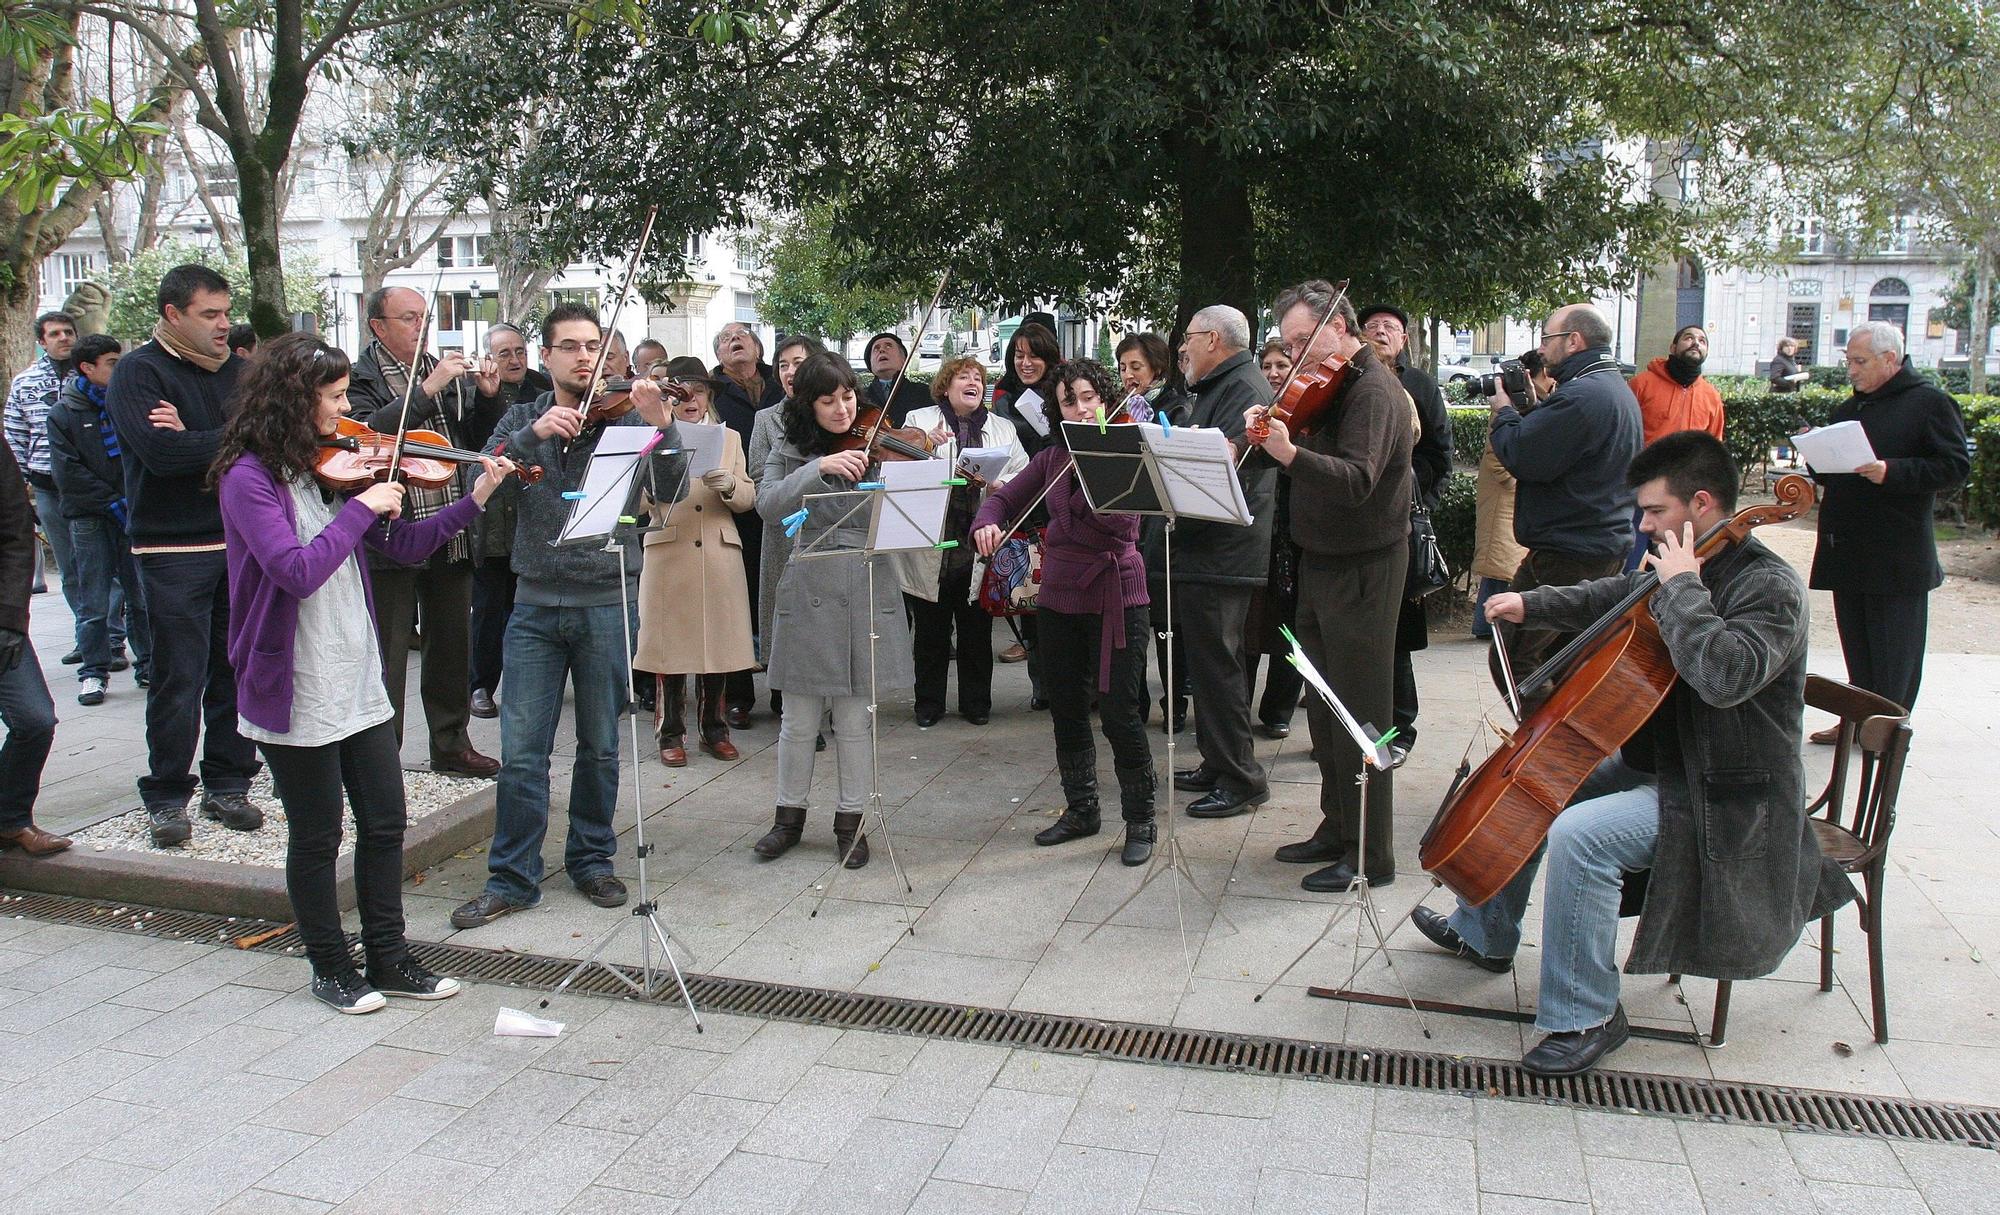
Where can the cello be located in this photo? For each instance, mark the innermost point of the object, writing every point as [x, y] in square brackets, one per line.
[1606, 683]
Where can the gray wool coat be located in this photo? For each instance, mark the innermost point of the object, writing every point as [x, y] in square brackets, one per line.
[766, 432]
[1736, 873]
[823, 615]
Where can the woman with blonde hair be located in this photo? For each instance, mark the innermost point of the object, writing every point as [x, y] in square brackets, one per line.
[694, 600]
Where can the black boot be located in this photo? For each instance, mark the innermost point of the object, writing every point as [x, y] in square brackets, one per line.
[847, 825]
[784, 832]
[1080, 816]
[1135, 796]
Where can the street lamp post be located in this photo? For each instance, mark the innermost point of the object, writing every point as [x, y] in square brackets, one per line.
[472, 324]
[333, 283]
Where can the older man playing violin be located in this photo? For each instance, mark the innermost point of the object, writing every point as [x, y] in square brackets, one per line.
[566, 623]
[1350, 516]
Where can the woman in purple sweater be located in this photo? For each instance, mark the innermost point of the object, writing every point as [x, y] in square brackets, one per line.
[309, 687]
[1093, 621]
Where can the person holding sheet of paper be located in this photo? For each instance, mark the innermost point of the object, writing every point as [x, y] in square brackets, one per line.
[1877, 552]
[694, 602]
[820, 653]
[1026, 396]
[937, 584]
[1094, 625]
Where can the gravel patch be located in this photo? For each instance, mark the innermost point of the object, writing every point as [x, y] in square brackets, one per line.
[425, 792]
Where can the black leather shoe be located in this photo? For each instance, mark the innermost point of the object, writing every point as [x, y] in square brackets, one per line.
[977, 719]
[486, 908]
[1310, 852]
[1567, 1054]
[1197, 779]
[1338, 878]
[1275, 729]
[926, 718]
[738, 717]
[482, 704]
[1037, 704]
[1438, 931]
[1227, 803]
[603, 890]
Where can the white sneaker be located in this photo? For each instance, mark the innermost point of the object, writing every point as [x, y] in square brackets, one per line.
[90, 691]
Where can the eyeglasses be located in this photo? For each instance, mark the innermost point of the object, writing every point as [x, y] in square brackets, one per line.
[1560, 333]
[405, 318]
[1195, 333]
[1382, 326]
[572, 349]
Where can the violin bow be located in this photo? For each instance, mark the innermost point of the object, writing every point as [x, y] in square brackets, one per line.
[410, 388]
[1332, 306]
[897, 383]
[617, 306]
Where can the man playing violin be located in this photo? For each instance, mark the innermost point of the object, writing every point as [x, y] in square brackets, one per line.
[443, 399]
[1707, 795]
[565, 624]
[1350, 515]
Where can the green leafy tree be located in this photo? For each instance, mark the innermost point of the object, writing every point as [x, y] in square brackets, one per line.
[807, 284]
[135, 285]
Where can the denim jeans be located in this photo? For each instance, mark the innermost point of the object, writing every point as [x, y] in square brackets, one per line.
[187, 607]
[1609, 829]
[29, 714]
[544, 647]
[48, 508]
[102, 558]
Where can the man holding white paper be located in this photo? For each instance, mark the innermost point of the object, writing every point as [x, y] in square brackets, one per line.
[1877, 552]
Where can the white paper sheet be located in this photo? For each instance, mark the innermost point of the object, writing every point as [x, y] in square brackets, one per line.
[608, 481]
[1375, 753]
[1198, 472]
[1839, 448]
[985, 462]
[513, 1023]
[702, 441]
[1031, 406]
[913, 498]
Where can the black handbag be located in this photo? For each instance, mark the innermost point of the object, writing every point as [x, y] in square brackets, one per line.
[1428, 573]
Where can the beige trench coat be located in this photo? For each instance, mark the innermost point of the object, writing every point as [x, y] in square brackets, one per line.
[1495, 552]
[694, 602]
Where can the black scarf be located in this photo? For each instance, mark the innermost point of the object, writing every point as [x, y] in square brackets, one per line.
[1683, 369]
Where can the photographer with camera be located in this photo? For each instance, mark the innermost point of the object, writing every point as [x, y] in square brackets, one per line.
[1569, 454]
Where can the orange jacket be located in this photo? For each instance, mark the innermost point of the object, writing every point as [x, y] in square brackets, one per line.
[1665, 407]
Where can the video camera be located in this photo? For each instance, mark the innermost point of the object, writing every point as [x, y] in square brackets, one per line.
[1511, 378]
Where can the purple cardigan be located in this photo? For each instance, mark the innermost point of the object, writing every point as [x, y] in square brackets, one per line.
[270, 572]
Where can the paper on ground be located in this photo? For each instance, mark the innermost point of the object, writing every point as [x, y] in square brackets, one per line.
[986, 463]
[1839, 448]
[911, 506]
[1031, 406]
[513, 1023]
[608, 480]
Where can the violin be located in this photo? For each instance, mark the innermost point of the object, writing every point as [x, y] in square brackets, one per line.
[883, 442]
[354, 457]
[1308, 393]
[613, 398]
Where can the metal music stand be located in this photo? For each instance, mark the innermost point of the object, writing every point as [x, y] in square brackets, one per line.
[1133, 469]
[899, 520]
[1374, 754]
[605, 515]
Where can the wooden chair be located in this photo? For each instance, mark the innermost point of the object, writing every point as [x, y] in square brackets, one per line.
[1879, 731]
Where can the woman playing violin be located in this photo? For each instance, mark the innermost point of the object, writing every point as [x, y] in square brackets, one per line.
[308, 668]
[820, 654]
[1033, 354]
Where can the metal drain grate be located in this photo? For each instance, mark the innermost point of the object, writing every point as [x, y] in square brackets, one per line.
[1632, 1092]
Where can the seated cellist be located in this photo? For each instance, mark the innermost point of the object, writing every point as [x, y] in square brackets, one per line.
[1707, 795]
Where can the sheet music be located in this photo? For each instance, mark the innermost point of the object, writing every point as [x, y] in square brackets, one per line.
[1031, 407]
[702, 441]
[1198, 472]
[913, 498]
[608, 480]
[986, 463]
[1372, 751]
[1839, 448]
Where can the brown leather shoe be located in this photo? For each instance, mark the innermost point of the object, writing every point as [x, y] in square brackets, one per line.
[1014, 653]
[674, 756]
[34, 841]
[722, 749]
[739, 718]
[468, 762]
[1826, 737]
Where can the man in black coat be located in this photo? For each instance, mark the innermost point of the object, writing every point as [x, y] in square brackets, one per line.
[1387, 328]
[887, 356]
[493, 581]
[1217, 567]
[1877, 552]
[745, 383]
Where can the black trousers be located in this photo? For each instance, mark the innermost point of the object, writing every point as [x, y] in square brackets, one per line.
[1405, 712]
[1179, 693]
[1072, 648]
[1347, 626]
[444, 589]
[1882, 639]
[309, 781]
[492, 603]
[1212, 618]
[739, 688]
[934, 625]
[1282, 685]
[1528, 648]
[187, 604]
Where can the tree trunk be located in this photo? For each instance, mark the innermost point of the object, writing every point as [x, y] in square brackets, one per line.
[19, 304]
[1218, 241]
[1978, 314]
[257, 201]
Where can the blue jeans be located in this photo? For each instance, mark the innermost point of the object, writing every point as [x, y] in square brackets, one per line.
[1609, 828]
[1488, 587]
[30, 717]
[543, 647]
[101, 556]
[48, 507]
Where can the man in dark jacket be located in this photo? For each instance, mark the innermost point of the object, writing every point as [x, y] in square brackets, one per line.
[1708, 795]
[1877, 552]
[887, 356]
[746, 384]
[513, 381]
[1572, 508]
[445, 399]
[1388, 331]
[88, 464]
[26, 708]
[1350, 514]
[1216, 567]
[169, 401]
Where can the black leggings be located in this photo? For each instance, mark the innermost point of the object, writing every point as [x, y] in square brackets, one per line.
[1070, 654]
[309, 781]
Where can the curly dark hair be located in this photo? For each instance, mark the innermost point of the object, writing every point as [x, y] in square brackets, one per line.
[1096, 375]
[820, 375]
[275, 403]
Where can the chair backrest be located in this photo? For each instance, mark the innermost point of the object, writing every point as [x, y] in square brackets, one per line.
[1879, 731]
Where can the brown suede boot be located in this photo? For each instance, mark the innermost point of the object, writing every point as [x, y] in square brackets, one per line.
[846, 827]
[785, 832]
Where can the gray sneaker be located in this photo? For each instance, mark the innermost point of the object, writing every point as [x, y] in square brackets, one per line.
[170, 825]
[232, 810]
[90, 691]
